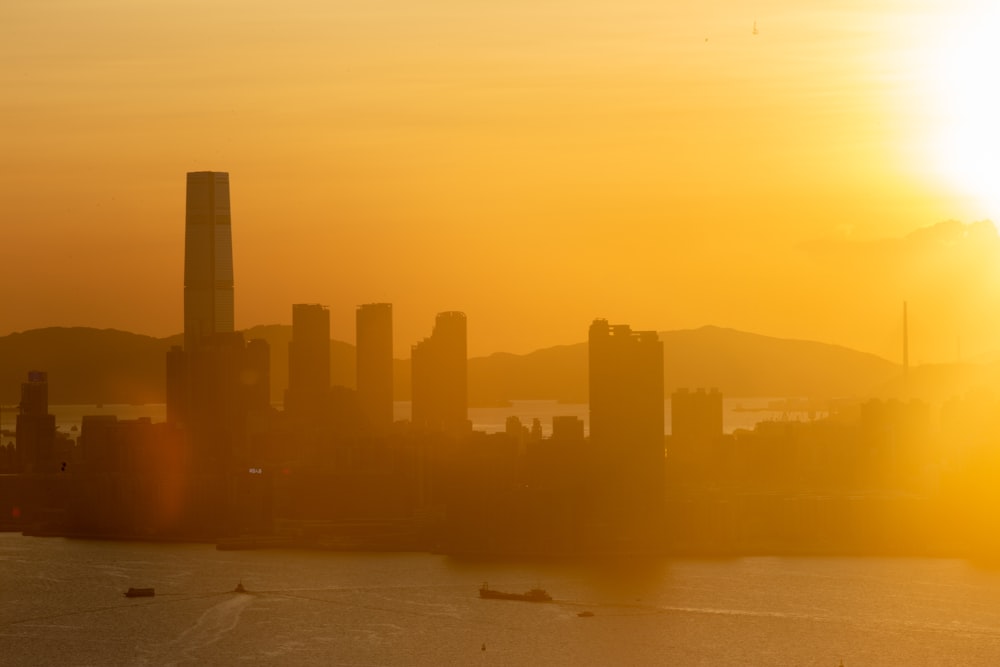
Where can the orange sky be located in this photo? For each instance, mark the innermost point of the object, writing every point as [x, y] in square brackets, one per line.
[533, 163]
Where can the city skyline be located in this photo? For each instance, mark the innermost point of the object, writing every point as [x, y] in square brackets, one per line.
[715, 175]
[682, 317]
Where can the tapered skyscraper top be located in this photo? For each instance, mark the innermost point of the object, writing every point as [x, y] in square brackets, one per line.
[208, 258]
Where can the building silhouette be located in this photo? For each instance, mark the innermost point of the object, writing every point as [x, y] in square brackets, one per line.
[224, 390]
[695, 449]
[696, 416]
[208, 285]
[308, 361]
[208, 258]
[373, 334]
[217, 380]
[258, 375]
[567, 428]
[35, 434]
[440, 376]
[626, 429]
[178, 386]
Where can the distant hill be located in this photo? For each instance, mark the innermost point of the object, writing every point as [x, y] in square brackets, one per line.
[746, 364]
[108, 366]
[86, 365]
[735, 362]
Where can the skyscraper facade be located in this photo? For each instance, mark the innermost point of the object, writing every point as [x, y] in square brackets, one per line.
[696, 435]
[373, 333]
[35, 433]
[626, 427]
[440, 376]
[208, 258]
[626, 387]
[309, 360]
[208, 284]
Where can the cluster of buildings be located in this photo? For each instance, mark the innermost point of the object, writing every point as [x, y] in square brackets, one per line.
[332, 467]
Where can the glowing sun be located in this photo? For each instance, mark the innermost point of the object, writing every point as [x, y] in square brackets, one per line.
[969, 96]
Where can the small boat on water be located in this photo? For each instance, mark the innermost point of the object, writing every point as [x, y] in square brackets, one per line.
[140, 592]
[534, 595]
[585, 614]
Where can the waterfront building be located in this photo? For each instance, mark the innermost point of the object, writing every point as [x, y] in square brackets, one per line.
[208, 284]
[626, 428]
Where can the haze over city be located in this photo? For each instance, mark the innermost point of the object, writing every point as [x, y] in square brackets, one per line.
[259, 257]
[785, 169]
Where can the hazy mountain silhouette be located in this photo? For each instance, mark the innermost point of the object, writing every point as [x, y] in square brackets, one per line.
[736, 362]
[746, 364]
[108, 366]
[86, 365]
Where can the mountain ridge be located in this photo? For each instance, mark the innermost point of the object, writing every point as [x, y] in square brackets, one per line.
[89, 365]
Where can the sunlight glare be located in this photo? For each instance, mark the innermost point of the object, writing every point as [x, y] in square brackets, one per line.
[969, 142]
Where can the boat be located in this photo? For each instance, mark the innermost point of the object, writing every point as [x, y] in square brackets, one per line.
[140, 592]
[585, 614]
[239, 588]
[534, 595]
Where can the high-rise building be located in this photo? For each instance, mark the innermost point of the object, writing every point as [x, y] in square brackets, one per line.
[696, 438]
[626, 386]
[35, 434]
[208, 284]
[208, 258]
[373, 333]
[309, 361]
[258, 376]
[223, 392]
[439, 376]
[626, 426]
[178, 386]
[567, 428]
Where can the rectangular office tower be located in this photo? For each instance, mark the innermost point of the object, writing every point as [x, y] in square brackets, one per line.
[440, 376]
[208, 258]
[309, 361]
[626, 387]
[626, 428]
[35, 436]
[373, 334]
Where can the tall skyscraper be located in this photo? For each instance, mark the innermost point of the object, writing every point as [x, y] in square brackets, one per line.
[223, 390]
[208, 284]
[178, 385]
[439, 375]
[35, 433]
[626, 387]
[258, 376]
[626, 427]
[373, 333]
[309, 361]
[208, 258]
